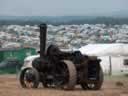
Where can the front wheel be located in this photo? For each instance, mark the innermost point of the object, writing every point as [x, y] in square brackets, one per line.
[29, 78]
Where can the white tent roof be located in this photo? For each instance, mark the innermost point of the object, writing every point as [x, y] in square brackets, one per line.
[116, 49]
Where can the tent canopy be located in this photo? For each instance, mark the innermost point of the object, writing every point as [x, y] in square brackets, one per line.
[114, 49]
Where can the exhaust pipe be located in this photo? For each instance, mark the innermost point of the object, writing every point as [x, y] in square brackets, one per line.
[43, 34]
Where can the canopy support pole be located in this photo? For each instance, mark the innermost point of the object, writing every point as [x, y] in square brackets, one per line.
[110, 66]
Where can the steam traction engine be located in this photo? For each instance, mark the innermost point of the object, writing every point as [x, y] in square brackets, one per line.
[59, 69]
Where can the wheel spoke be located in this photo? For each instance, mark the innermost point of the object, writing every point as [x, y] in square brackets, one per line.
[29, 84]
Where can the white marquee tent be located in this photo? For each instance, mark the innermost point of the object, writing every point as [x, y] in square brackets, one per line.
[116, 49]
[112, 56]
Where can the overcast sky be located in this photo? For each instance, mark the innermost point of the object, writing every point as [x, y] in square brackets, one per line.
[60, 7]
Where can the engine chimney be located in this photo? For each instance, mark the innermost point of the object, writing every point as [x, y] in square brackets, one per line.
[43, 34]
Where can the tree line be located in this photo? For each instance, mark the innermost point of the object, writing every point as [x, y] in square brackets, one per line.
[67, 20]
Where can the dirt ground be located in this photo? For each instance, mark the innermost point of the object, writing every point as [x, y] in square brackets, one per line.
[9, 86]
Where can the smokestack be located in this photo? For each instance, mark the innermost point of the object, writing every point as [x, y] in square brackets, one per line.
[43, 34]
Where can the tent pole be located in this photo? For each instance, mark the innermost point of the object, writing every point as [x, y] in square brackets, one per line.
[110, 66]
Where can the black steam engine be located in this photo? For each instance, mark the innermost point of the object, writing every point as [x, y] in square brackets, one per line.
[61, 69]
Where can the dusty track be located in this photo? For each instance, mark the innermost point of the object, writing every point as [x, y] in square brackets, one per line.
[9, 86]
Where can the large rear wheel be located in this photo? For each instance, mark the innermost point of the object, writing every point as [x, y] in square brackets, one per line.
[64, 76]
[72, 75]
